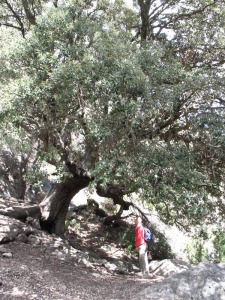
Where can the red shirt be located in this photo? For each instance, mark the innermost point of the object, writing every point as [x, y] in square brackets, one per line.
[139, 235]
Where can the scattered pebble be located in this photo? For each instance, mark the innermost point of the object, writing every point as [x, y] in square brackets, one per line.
[9, 255]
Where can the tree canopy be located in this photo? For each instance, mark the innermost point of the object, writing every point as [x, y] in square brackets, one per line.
[133, 99]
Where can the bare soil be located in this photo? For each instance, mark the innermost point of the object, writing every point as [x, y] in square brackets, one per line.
[34, 274]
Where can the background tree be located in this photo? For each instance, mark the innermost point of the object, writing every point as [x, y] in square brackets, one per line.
[21, 14]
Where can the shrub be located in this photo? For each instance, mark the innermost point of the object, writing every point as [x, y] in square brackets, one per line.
[219, 244]
[196, 251]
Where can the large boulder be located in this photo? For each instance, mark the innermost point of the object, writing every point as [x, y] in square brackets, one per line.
[12, 229]
[202, 282]
[167, 267]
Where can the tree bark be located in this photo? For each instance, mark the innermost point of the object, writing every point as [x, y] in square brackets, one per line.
[55, 205]
[114, 192]
[145, 24]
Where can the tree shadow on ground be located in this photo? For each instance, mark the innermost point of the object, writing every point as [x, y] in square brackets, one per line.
[160, 249]
[87, 232]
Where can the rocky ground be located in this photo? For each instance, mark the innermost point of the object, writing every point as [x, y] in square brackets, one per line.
[33, 273]
[93, 262]
[83, 266]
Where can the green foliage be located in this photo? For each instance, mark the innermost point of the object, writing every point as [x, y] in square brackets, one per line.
[35, 176]
[109, 207]
[72, 225]
[160, 249]
[196, 251]
[128, 237]
[146, 114]
[219, 244]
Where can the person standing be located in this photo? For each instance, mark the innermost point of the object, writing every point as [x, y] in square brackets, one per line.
[141, 246]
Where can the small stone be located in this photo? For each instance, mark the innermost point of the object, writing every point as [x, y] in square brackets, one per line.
[102, 262]
[9, 255]
[22, 238]
[34, 240]
[33, 222]
[5, 250]
[63, 287]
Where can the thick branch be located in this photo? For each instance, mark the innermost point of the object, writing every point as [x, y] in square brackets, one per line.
[30, 16]
[17, 17]
[55, 3]
[116, 193]
[21, 213]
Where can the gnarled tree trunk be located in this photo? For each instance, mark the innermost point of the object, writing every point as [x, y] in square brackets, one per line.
[55, 205]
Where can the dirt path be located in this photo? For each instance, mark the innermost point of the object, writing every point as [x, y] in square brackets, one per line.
[33, 274]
